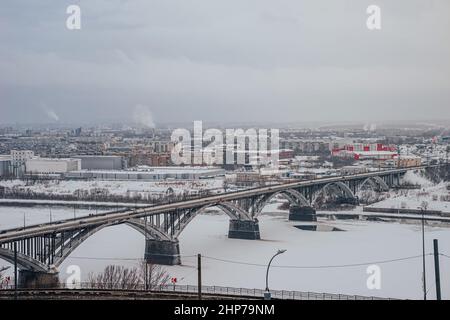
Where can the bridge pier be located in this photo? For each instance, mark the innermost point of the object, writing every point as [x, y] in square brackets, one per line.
[351, 201]
[37, 279]
[244, 229]
[166, 252]
[302, 213]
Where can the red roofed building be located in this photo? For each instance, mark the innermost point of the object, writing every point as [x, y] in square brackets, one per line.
[360, 151]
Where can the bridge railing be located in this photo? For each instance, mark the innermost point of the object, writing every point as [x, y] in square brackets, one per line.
[213, 290]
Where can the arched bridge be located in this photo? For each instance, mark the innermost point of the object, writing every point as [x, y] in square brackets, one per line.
[42, 248]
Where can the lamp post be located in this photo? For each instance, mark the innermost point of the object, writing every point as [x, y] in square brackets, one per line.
[267, 295]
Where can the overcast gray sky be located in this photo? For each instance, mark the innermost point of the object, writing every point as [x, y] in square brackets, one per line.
[224, 60]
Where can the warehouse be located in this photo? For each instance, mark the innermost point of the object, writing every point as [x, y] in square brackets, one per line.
[50, 165]
[149, 173]
[102, 162]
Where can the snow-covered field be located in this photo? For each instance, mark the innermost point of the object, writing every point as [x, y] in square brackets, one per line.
[361, 242]
[123, 188]
[435, 197]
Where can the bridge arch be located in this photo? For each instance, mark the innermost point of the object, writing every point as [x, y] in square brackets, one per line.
[376, 183]
[293, 196]
[230, 209]
[338, 189]
[23, 261]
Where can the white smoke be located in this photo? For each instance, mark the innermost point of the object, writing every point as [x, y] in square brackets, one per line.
[50, 113]
[370, 127]
[143, 116]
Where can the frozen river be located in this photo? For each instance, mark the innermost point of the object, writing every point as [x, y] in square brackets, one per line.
[318, 261]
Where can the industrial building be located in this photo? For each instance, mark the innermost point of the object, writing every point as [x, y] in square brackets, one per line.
[149, 173]
[5, 166]
[350, 170]
[52, 165]
[102, 162]
[407, 161]
[18, 159]
[359, 151]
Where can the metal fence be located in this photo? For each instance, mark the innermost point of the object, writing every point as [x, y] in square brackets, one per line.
[259, 293]
[213, 290]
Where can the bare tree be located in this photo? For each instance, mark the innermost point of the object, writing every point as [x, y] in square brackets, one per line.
[153, 275]
[2, 277]
[120, 277]
[225, 185]
[424, 205]
[115, 277]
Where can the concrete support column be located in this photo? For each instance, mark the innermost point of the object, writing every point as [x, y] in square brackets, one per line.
[166, 252]
[302, 213]
[352, 201]
[37, 279]
[244, 229]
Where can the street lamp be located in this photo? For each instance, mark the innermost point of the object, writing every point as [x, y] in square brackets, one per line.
[267, 295]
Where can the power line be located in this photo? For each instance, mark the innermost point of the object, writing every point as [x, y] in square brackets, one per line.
[274, 266]
[116, 258]
[318, 266]
[104, 258]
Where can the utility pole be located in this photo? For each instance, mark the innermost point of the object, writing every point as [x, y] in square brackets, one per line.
[146, 262]
[15, 270]
[423, 257]
[199, 277]
[447, 150]
[436, 269]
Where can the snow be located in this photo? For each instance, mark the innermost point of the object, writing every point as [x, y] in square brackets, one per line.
[435, 196]
[412, 177]
[123, 188]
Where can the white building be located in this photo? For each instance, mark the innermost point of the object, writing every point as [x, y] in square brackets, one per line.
[18, 159]
[52, 166]
[150, 173]
[349, 170]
